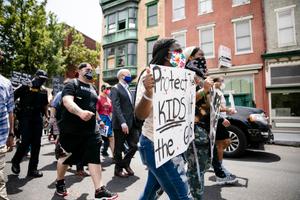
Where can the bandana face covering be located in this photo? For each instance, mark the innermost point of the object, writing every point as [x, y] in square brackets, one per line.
[177, 59]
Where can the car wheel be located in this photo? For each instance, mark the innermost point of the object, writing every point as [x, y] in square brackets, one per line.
[238, 142]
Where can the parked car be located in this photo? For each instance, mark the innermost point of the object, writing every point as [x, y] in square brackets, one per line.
[249, 129]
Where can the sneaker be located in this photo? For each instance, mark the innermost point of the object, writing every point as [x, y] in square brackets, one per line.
[225, 170]
[226, 180]
[104, 194]
[15, 168]
[61, 189]
[81, 173]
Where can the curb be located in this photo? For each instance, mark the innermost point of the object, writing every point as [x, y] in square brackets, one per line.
[287, 143]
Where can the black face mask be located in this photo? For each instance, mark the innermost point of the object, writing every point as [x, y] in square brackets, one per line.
[198, 66]
[89, 75]
[37, 82]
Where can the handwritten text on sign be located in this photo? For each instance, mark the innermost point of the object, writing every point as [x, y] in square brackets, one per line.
[173, 111]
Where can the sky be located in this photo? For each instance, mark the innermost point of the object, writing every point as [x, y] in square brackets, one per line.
[84, 15]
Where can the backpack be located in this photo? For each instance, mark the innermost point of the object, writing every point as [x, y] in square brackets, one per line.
[59, 107]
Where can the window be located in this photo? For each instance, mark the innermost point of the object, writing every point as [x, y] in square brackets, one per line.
[131, 54]
[240, 2]
[112, 23]
[121, 56]
[286, 26]
[243, 36]
[110, 58]
[152, 15]
[204, 6]
[132, 18]
[285, 75]
[150, 44]
[122, 19]
[180, 37]
[178, 9]
[206, 36]
[285, 104]
[241, 87]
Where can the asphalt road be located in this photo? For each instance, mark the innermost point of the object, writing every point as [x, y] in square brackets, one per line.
[273, 174]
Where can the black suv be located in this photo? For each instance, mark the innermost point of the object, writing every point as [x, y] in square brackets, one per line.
[249, 129]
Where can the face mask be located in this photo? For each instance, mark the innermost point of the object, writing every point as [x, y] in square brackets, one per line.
[127, 79]
[37, 82]
[177, 59]
[222, 87]
[107, 92]
[198, 66]
[89, 75]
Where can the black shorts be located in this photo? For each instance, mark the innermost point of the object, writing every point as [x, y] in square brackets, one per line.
[84, 148]
[221, 133]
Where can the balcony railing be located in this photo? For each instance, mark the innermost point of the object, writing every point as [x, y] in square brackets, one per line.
[119, 36]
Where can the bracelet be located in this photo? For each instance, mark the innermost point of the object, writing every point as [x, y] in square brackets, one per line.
[147, 98]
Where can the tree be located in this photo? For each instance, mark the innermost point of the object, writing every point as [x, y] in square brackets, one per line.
[33, 39]
[77, 52]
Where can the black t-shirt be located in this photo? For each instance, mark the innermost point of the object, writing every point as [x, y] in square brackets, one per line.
[32, 101]
[85, 97]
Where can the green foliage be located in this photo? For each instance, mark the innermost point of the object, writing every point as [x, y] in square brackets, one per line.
[33, 39]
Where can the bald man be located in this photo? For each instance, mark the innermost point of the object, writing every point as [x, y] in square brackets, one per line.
[122, 123]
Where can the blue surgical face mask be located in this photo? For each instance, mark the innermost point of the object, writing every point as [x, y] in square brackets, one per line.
[127, 79]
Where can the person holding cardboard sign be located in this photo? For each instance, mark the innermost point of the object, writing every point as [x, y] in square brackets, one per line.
[170, 176]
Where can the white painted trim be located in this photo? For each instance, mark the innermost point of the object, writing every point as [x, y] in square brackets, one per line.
[251, 68]
[208, 11]
[284, 8]
[248, 18]
[278, 10]
[242, 18]
[208, 27]
[179, 32]
[240, 4]
[285, 125]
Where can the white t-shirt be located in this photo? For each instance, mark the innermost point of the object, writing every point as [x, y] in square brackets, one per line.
[147, 129]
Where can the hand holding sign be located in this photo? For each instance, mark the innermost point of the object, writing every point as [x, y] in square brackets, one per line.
[148, 82]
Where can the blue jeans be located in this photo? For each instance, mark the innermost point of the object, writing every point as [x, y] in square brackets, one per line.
[171, 176]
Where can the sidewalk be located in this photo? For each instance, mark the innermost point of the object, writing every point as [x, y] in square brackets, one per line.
[288, 139]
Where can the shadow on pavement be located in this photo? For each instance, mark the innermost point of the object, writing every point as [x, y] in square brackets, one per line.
[117, 184]
[257, 156]
[50, 167]
[214, 191]
[14, 183]
[69, 180]
[82, 197]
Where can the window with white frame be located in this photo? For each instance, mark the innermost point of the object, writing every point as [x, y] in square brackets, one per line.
[286, 26]
[180, 37]
[204, 6]
[206, 37]
[243, 36]
[240, 2]
[178, 9]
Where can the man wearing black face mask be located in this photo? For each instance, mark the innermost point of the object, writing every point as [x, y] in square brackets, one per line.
[77, 127]
[122, 123]
[33, 104]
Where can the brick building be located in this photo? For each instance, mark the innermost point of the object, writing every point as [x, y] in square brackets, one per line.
[235, 24]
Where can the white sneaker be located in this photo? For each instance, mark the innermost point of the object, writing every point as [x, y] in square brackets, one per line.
[226, 180]
[225, 170]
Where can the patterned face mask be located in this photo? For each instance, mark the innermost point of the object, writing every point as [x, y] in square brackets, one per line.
[177, 59]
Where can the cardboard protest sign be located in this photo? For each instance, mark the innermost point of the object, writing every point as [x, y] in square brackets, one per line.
[215, 103]
[19, 78]
[173, 111]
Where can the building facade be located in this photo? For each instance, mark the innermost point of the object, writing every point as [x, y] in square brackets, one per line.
[119, 38]
[234, 25]
[151, 21]
[282, 61]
